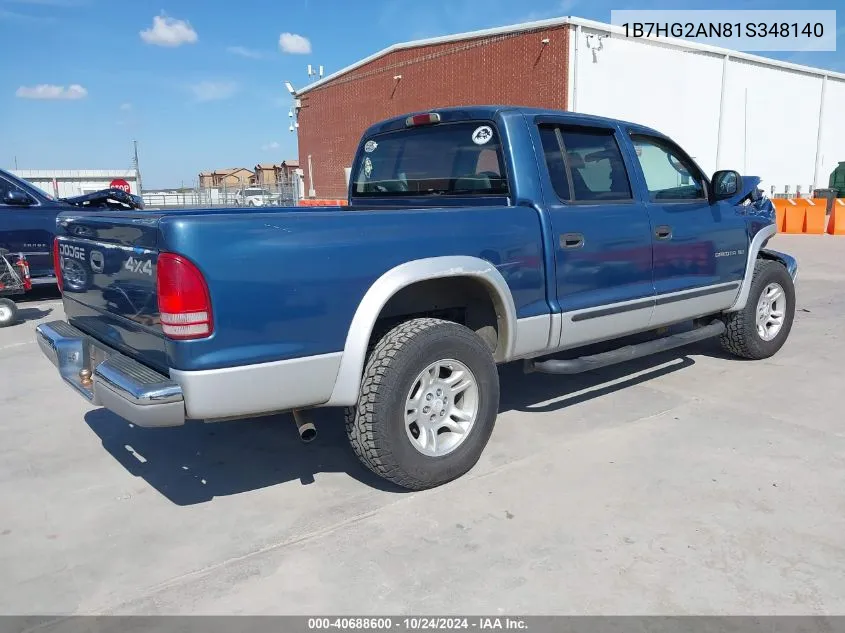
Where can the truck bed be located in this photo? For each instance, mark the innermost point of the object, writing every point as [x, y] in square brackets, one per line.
[284, 282]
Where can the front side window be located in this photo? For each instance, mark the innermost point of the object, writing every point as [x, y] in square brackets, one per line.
[5, 188]
[669, 175]
[463, 159]
[12, 184]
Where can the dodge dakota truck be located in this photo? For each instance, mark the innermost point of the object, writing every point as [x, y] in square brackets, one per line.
[473, 237]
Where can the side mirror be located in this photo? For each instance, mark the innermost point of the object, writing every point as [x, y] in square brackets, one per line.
[17, 198]
[726, 183]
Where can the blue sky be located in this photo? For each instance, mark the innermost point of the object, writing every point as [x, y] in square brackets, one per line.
[200, 84]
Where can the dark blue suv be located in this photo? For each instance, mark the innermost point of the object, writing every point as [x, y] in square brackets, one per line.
[28, 223]
[28, 219]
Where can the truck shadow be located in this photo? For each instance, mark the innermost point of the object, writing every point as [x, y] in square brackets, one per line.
[570, 390]
[32, 314]
[196, 462]
[40, 292]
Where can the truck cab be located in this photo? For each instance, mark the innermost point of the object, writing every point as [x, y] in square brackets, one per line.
[28, 224]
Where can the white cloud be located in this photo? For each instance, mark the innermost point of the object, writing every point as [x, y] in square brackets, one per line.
[50, 91]
[242, 51]
[170, 32]
[125, 107]
[269, 146]
[213, 90]
[294, 44]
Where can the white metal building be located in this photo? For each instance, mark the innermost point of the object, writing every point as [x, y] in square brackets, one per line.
[64, 183]
[730, 110]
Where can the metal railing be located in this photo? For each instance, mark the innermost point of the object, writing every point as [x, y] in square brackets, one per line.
[283, 193]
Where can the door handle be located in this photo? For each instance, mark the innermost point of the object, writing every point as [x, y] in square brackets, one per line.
[572, 240]
[663, 232]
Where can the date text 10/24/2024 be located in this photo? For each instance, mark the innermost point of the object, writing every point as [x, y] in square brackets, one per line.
[417, 624]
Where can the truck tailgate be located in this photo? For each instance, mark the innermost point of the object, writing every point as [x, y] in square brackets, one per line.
[108, 273]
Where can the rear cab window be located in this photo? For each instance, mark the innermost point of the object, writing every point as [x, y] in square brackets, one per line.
[585, 164]
[446, 159]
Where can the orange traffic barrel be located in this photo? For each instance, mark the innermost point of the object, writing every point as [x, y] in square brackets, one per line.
[780, 205]
[814, 218]
[793, 221]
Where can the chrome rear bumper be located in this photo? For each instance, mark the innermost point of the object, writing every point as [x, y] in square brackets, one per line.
[124, 386]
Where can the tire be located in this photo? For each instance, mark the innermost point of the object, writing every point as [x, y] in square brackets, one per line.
[378, 426]
[8, 312]
[742, 337]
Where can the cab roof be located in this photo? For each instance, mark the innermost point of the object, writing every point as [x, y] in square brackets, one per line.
[490, 112]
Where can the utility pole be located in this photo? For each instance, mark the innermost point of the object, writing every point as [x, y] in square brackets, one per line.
[137, 167]
[16, 163]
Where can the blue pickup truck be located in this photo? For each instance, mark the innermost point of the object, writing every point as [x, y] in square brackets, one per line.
[474, 236]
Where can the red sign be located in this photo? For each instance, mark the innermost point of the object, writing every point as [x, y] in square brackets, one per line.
[119, 183]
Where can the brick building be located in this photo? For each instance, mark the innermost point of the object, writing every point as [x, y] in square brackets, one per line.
[696, 93]
[492, 67]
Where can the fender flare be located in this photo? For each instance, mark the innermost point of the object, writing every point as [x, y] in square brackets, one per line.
[348, 381]
[760, 238]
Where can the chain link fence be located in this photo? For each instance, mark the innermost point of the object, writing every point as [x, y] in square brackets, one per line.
[277, 194]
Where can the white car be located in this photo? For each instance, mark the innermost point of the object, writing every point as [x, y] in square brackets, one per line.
[256, 197]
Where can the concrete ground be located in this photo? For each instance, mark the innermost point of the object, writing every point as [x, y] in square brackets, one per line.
[685, 483]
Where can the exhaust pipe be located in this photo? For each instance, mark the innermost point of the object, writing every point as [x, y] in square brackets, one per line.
[305, 426]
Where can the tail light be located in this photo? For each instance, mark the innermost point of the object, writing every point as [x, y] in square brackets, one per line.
[57, 264]
[429, 118]
[183, 300]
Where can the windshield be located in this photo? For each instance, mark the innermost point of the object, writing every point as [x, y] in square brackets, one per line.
[448, 159]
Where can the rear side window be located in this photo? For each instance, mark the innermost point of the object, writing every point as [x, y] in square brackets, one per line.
[462, 159]
[590, 161]
[553, 152]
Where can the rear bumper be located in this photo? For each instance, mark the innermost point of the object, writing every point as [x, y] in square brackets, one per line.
[124, 386]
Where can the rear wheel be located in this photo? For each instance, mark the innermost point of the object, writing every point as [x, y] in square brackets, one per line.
[429, 400]
[8, 312]
[761, 328]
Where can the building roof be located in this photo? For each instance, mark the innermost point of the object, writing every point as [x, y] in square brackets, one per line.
[291, 163]
[562, 21]
[74, 173]
[267, 165]
[231, 170]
